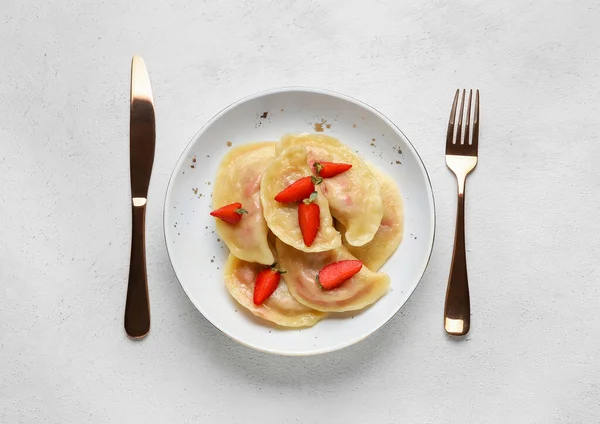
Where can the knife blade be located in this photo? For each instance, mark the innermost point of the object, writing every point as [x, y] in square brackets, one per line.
[142, 139]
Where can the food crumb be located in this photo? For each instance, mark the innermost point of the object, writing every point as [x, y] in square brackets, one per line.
[353, 125]
[318, 126]
[194, 159]
[192, 166]
[264, 115]
[195, 190]
[282, 110]
[328, 126]
[229, 144]
[218, 239]
[398, 162]
[212, 260]
[373, 139]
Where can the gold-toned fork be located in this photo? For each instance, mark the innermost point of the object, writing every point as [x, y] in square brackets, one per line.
[461, 158]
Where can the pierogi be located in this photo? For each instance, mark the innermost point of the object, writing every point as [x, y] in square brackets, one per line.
[389, 235]
[280, 308]
[302, 268]
[354, 197]
[238, 180]
[282, 218]
[360, 216]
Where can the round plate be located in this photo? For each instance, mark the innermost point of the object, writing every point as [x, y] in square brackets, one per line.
[198, 256]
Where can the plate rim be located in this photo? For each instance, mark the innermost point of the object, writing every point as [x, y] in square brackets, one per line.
[306, 89]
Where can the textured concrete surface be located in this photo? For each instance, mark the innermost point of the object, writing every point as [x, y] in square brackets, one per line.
[533, 355]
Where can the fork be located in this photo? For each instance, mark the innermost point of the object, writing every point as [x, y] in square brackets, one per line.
[461, 158]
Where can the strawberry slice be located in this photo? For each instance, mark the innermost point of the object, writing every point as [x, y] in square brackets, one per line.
[330, 169]
[309, 218]
[266, 283]
[231, 214]
[331, 276]
[298, 190]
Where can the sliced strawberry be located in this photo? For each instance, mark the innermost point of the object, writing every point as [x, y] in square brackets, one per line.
[298, 190]
[331, 276]
[230, 213]
[266, 283]
[330, 169]
[309, 218]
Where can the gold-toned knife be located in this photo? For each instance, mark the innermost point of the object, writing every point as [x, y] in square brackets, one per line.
[142, 138]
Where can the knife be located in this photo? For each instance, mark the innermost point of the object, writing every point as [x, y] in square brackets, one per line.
[142, 138]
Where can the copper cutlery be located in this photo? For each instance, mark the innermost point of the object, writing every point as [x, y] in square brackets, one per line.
[461, 158]
[142, 138]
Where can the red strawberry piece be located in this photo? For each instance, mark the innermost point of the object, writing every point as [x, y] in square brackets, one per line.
[230, 213]
[331, 276]
[266, 283]
[330, 169]
[298, 190]
[309, 218]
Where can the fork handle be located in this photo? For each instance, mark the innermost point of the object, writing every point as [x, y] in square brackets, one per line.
[457, 309]
[137, 305]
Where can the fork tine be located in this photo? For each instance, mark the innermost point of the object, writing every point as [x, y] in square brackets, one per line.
[467, 126]
[450, 134]
[460, 119]
[475, 140]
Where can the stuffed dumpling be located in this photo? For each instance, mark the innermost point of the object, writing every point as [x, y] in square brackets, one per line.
[302, 268]
[238, 180]
[354, 197]
[282, 218]
[280, 308]
[389, 235]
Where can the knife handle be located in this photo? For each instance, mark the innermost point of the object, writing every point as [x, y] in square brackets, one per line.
[137, 305]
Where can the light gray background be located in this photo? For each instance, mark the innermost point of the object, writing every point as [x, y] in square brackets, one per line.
[533, 354]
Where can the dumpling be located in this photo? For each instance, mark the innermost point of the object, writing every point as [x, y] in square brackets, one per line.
[238, 180]
[389, 236]
[282, 218]
[302, 268]
[280, 308]
[354, 196]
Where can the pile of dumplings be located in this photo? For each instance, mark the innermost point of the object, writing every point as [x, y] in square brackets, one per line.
[361, 217]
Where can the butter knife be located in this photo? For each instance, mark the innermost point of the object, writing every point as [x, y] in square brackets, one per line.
[142, 138]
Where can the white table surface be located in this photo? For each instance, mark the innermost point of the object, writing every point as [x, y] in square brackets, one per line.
[533, 225]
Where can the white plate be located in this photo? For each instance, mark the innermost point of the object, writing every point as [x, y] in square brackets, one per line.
[198, 256]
